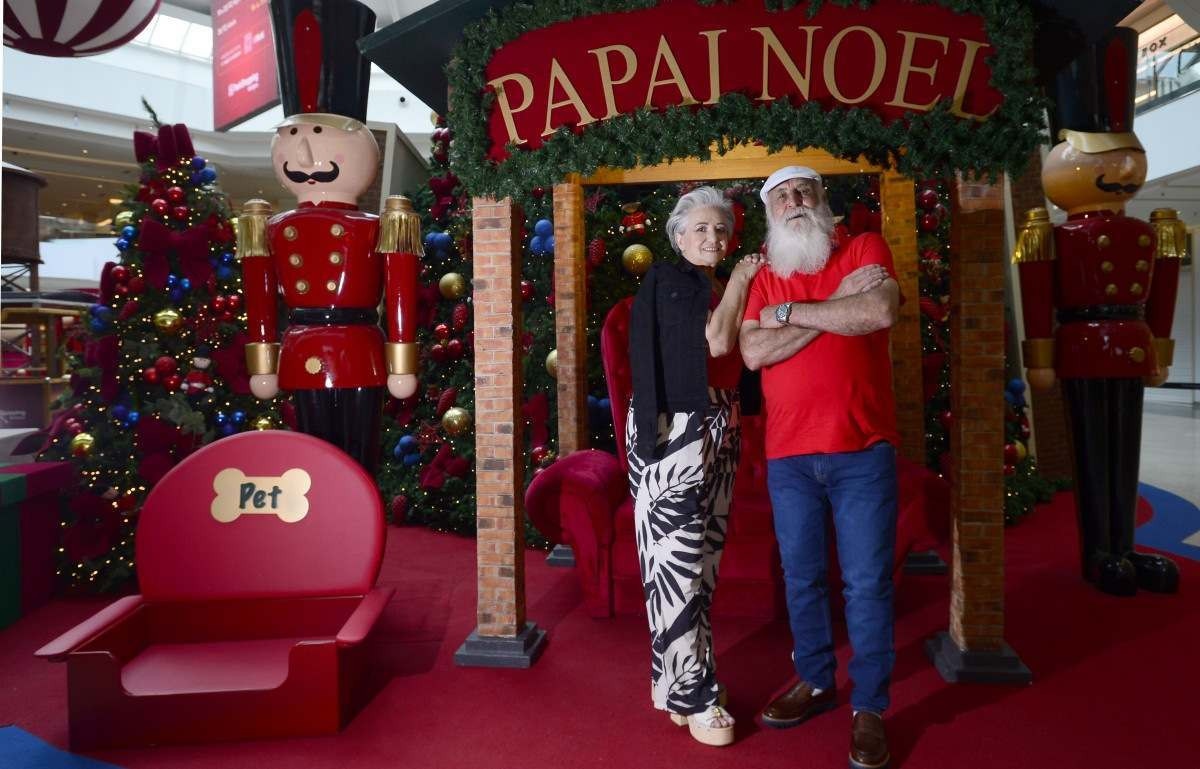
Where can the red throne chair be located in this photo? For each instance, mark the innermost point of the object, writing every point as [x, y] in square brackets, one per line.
[257, 558]
[583, 501]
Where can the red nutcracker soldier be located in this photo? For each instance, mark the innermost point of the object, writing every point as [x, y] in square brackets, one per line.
[330, 261]
[1110, 283]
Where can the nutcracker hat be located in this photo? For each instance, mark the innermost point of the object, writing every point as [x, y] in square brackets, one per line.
[786, 174]
[323, 78]
[1093, 95]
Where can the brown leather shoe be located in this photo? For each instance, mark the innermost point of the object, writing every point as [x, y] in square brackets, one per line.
[868, 743]
[796, 705]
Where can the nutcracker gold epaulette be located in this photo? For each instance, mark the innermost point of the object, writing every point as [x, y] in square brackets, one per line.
[1172, 234]
[252, 229]
[1035, 239]
[399, 227]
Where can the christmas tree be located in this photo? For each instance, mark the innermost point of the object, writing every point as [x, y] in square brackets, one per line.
[162, 371]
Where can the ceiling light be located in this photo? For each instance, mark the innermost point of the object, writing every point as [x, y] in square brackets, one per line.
[99, 186]
[85, 150]
[115, 201]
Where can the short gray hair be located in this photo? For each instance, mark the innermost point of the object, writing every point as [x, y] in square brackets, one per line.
[701, 197]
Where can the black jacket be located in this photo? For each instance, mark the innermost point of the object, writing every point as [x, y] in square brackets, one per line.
[668, 352]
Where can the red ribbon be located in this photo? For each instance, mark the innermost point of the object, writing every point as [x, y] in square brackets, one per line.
[157, 241]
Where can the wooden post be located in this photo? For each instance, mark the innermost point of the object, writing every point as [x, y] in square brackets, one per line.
[502, 638]
[899, 229]
[570, 316]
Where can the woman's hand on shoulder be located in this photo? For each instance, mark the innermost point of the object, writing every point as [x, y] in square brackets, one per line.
[747, 267]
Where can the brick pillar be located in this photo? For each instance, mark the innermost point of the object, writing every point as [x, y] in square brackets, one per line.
[570, 317]
[1050, 430]
[503, 638]
[974, 648]
[899, 229]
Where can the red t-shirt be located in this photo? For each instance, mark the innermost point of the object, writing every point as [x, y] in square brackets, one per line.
[836, 394]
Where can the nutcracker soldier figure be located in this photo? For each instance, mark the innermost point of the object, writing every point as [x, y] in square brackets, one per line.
[329, 260]
[1110, 282]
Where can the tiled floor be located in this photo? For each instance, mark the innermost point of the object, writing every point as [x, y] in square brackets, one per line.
[1171, 449]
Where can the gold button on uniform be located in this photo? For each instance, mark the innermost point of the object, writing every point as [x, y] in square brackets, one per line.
[313, 365]
[331, 285]
[1142, 265]
[295, 260]
[1135, 289]
[335, 258]
[1103, 241]
[1106, 266]
[302, 286]
[289, 232]
[1137, 354]
[1143, 240]
[337, 230]
[1111, 289]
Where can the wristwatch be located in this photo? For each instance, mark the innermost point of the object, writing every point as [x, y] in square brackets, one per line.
[783, 312]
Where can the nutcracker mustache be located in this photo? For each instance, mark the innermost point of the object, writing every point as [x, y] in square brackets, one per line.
[299, 177]
[1115, 186]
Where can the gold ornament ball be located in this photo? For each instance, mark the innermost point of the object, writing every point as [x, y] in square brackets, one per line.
[453, 285]
[81, 445]
[456, 421]
[552, 363]
[637, 259]
[1022, 452]
[168, 321]
[263, 423]
[123, 218]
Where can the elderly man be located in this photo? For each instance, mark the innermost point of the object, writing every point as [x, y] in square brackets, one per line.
[817, 324]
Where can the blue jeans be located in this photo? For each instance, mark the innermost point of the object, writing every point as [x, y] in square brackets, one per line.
[860, 487]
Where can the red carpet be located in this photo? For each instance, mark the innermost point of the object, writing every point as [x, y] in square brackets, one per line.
[1115, 679]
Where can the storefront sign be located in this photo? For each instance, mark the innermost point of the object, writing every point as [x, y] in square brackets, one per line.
[892, 58]
[243, 61]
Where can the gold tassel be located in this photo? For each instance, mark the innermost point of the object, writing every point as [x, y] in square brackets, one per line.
[1172, 234]
[399, 228]
[252, 229]
[1035, 239]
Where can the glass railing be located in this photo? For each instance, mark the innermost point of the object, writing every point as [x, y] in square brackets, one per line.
[1169, 77]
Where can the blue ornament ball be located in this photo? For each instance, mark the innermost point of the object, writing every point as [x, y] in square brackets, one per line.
[199, 162]
[176, 294]
[120, 412]
[398, 451]
[604, 403]
[412, 459]
[208, 175]
[1016, 386]
[185, 284]
[549, 244]
[195, 179]
[122, 244]
[592, 401]
[133, 417]
[222, 417]
[227, 257]
[408, 444]
[172, 280]
[536, 244]
[228, 428]
[444, 241]
[239, 416]
[544, 227]
[98, 325]
[431, 240]
[224, 272]
[1010, 398]
[129, 232]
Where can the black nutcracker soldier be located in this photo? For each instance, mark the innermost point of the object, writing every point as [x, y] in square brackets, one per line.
[328, 260]
[1098, 296]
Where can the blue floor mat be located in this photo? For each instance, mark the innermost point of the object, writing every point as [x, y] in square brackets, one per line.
[21, 750]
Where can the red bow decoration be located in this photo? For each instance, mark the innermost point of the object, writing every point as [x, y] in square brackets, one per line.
[157, 240]
[172, 144]
[427, 304]
[108, 284]
[161, 445]
[94, 530]
[536, 412]
[230, 362]
[445, 463]
[102, 353]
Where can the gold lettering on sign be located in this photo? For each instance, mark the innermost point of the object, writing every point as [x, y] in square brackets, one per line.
[664, 54]
[714, 65]
[964, 77]
[831, 59]
[771, 45]
[557, 76]
[239, 494]
[907, 68]
[506, 109]
[606, 78]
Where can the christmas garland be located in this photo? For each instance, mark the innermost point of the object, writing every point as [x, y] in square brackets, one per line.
[934, 143]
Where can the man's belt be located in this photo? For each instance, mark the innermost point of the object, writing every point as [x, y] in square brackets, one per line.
[1103, 312]
[333, 316]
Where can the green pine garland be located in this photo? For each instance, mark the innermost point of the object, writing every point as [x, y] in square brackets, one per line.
[934, 143]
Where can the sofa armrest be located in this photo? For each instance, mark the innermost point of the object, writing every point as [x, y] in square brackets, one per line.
[359, 624]
[58, 649]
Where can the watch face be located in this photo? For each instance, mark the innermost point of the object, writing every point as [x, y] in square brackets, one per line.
[782, 312]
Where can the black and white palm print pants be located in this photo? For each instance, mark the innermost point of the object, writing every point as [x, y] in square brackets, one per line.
[681, 498]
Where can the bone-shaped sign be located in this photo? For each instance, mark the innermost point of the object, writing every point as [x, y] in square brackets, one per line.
[238, 494]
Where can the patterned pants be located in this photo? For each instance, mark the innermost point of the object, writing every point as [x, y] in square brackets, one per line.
[681, 498]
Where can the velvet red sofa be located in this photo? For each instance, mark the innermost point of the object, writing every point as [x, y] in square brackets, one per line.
[583, 501]
[256, 557]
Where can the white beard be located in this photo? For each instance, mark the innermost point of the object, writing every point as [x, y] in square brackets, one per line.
[800, 246]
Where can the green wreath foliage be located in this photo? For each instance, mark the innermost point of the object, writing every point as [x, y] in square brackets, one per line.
[930, 144]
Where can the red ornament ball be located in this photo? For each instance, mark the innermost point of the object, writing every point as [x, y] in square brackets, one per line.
[180, 212]
[176, 194]
[441, 331]
[159, 206]
[121, 289]
[219, 303]
[165, 366]
[454, 349]
[1010, 454]
[137, 284]
[927, 199]
[1010, 470]
[150, 375]
[526, 290]
[120, 273]
[930, 222]
[235, 301]
[538, 192]
[538, 455]
[438, 352]
[946, 418]
[172, 382]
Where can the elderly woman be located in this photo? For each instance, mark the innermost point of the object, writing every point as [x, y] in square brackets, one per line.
[682, 441]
